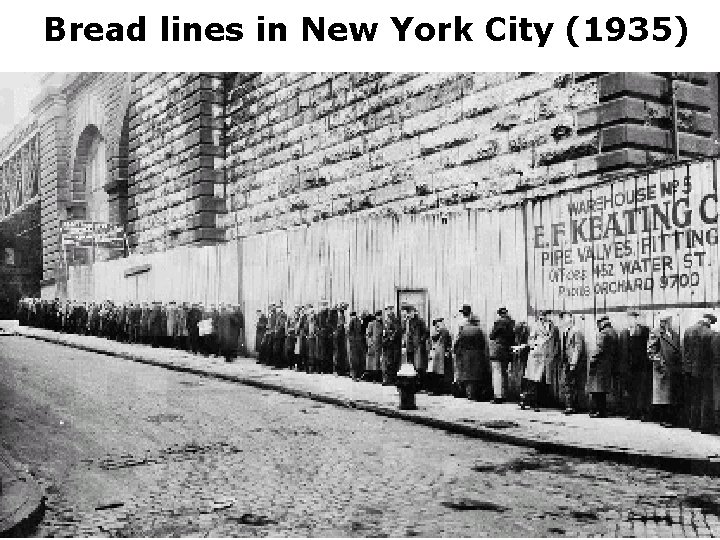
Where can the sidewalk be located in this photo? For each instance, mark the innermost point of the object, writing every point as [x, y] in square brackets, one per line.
[22, 501]
[617, 439]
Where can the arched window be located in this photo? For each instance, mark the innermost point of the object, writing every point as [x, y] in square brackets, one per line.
[89, 198]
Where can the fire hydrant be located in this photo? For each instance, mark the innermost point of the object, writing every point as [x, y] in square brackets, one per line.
[406, 386]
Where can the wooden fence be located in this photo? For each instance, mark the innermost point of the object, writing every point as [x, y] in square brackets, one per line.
[552, 253]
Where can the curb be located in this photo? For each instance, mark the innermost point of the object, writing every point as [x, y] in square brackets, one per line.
[676, 464]
[24, 519]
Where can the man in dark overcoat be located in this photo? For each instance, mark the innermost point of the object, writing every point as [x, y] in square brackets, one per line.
[229, 331]
[356, 346]
[340, 353]
[600, 367]
[194, 316]
[324, 329]
[633, 371]
[391, 344]
[260, 328]
[469, 354]
[502, 338]
[696, 368]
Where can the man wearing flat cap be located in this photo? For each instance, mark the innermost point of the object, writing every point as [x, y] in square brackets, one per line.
[600, 366]
[665, 354]
[696, 368]
[502, 338]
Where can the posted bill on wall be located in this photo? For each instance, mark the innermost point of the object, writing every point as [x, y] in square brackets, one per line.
[643, 240]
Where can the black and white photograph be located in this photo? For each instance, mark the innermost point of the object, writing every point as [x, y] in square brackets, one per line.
[359, 304]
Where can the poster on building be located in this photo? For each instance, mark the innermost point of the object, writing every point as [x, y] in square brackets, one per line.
[648, 241]
[87, 241]
[88, 233]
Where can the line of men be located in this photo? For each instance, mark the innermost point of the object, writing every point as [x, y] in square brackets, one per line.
[214, 329]
[650, 374]
[372, 347]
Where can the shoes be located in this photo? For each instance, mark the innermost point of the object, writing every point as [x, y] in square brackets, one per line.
[569, 410]
[536, 409]
[598, 415]
[497, 401]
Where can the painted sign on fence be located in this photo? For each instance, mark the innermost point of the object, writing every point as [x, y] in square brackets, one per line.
[648, 241]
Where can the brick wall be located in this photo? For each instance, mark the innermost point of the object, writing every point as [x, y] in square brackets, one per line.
[176, 185]
[302, 147]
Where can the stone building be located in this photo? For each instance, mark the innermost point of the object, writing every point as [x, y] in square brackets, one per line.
[369, 188]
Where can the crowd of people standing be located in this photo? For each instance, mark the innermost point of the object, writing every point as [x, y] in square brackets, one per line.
[213, 329]
[647, 374]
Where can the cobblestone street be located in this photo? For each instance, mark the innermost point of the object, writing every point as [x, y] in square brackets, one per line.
[125, 449]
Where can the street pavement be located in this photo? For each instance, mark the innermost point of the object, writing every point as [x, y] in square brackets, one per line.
[128, 449]
[635, 442]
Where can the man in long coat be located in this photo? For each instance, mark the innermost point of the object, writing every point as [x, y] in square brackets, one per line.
[415, 335]
[301, 344]
[696, 368]
[392, 339]
[279, 359]
[544, 346]
[313, 354]
[145, 323]
[291, 325]
[502, 338]
[230, 325]
[260, 328]
[573, 359]
[665, 354]
[171, 318]
[356, 346]
[325, 347]
[374, 341]
[340, 353]
[469, 350]
[440, 369]
[266, 349]
[155, 322]
[600, 367]
[633, 371]
[194, 316]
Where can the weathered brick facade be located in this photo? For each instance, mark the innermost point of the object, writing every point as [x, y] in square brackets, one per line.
[305, 147]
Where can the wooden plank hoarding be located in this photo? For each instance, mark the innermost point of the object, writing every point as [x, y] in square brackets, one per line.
[647, 241]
